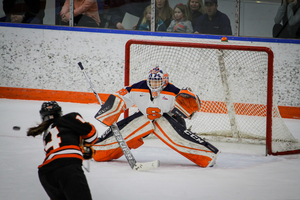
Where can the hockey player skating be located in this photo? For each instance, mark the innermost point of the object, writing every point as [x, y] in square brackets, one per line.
[67, 141]
[162, 107]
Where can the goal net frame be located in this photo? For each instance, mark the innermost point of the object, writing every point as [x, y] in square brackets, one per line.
[270, 72]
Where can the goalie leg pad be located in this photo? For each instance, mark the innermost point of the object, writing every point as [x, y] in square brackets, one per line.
[111, 110]
[185, 142]
[132, 129]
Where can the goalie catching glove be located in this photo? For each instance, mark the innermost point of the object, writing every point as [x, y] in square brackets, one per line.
[186, 104]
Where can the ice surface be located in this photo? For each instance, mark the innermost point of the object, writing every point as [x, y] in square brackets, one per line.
[241, 172]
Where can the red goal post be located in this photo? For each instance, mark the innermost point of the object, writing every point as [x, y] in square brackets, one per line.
[228, 60]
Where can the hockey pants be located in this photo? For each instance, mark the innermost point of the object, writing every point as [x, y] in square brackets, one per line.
[166, 128]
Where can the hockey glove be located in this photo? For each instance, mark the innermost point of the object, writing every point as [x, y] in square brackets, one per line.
[186, 104]
[88, 152]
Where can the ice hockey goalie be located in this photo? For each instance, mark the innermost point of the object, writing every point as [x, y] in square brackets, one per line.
[162, 110]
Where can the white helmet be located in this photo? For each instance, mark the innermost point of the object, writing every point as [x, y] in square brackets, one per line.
[157, 81]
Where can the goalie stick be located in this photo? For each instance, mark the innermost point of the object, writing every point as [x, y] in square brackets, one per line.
[114, 127]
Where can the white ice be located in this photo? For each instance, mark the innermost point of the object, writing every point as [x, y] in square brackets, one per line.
[241, 172]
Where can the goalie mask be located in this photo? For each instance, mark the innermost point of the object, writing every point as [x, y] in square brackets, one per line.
[157, 81]
[50, 110]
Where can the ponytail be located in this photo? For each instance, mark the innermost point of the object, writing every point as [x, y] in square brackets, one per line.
[38, 130]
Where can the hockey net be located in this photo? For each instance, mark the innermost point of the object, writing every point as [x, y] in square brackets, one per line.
[234, 83]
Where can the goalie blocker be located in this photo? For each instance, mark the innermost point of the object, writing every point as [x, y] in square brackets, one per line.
[111, 110]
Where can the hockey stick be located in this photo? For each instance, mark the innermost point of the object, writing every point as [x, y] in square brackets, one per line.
[87, 168]
[114, 127]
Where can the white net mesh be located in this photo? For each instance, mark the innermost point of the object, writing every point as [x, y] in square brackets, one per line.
[243, 85]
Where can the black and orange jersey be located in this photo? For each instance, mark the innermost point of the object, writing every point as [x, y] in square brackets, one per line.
[63, 138]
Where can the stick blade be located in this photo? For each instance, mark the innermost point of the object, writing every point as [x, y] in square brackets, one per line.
[146, 166]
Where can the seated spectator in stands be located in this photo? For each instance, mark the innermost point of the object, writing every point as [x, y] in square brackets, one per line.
[118, 9]
[213, 22]
[195, 9]
[146, 22]
[180, 23]
[34, 11]
[287, 20]
[85, 13]
[165, 12]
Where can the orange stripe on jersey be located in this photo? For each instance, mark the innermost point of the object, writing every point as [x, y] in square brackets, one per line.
[62, 156]
[91, 134]
[175, 143]
[147, 91]
[139, 90]
[168, 93]
[63, 148]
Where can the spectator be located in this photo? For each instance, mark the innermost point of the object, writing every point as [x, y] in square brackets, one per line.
[165, 12]
[34, 13]
[214, 21]
[118, 9]
[289, 15]
[195, 9]
[146, 22]
[67, 140]
[180, 23]
[85, 13]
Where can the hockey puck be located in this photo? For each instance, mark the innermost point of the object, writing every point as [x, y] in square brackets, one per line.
[16, 128]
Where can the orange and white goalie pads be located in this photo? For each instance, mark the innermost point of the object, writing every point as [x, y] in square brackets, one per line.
[111, 110]
[185, 142]
[132, 128]
[186, 104]
[166, 128]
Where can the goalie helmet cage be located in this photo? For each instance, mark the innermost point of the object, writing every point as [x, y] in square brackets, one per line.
[234, 84]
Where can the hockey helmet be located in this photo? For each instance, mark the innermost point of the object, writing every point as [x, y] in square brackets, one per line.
[157, 81]
[50, 110]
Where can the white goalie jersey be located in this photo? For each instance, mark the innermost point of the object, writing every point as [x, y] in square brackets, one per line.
[170, 100]
[139, 94]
